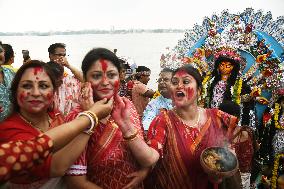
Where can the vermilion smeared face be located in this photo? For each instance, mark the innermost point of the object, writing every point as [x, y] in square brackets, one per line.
[104, 78]
[35, 91]
[184, 89]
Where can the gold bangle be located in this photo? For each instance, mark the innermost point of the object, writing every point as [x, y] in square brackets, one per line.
[94, 116]
[131, 137]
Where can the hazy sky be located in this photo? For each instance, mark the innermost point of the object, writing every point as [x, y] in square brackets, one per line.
[47, 15]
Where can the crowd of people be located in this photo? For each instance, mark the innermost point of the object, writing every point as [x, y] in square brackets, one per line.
[101, 127]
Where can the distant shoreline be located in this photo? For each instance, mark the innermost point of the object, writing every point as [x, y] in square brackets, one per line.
[82, 32]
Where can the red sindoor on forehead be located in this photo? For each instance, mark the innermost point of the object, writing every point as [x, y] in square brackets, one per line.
[103, 64]
[181, 73]
[37, 70]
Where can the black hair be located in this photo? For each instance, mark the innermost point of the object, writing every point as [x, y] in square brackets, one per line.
[9, 52]
[231, 108]
[20, 73]
[51, 48]
[57, 69]
[191, 71]
[231, 80]
[99, 53]
[1, 46]
[167, 70]
[141, 69]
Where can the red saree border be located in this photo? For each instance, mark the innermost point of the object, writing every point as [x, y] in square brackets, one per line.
[106, 140]
[177, 163]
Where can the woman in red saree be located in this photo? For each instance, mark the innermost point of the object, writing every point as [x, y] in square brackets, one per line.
[32, 92]
[116, 156]
[181, 134]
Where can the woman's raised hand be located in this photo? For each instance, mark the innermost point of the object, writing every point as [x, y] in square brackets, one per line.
[86, 100]
[121, 115]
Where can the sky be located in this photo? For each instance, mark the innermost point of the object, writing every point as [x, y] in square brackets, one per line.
[62, 15]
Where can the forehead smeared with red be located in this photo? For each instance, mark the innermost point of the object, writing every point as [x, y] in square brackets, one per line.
[181, 73]
[37, 70]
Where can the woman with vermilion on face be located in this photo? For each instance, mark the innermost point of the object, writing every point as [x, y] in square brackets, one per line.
[116, 156]
[32, 89]
[181, 134]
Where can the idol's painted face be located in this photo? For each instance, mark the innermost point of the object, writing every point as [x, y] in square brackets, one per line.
[35, 91]
[184, 90]
[226, 68]
[104, 78]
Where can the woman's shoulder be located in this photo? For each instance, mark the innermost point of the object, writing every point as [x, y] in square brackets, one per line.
[14, 128]
[10, 121]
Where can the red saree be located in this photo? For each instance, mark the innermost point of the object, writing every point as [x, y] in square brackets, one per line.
[179, 165]
[15, 128]
[107, 159]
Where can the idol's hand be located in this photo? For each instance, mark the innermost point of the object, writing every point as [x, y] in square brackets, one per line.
[137, 178]
[121, 115]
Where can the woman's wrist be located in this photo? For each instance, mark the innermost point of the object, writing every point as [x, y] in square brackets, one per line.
[93, 121]
[130, 134]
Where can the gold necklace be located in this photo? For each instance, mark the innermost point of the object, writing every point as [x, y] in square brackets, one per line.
[31, 124]
[188, 128]
[192, 125]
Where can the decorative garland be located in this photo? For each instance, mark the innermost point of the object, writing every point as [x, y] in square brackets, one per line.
[204, 89]
[237, 89]
[276, 116]
[275, 170]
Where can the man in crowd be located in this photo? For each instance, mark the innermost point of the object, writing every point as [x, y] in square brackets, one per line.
[140, 93]
[9, 57]
[161, 102]
[6, 77]
[67, 94]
